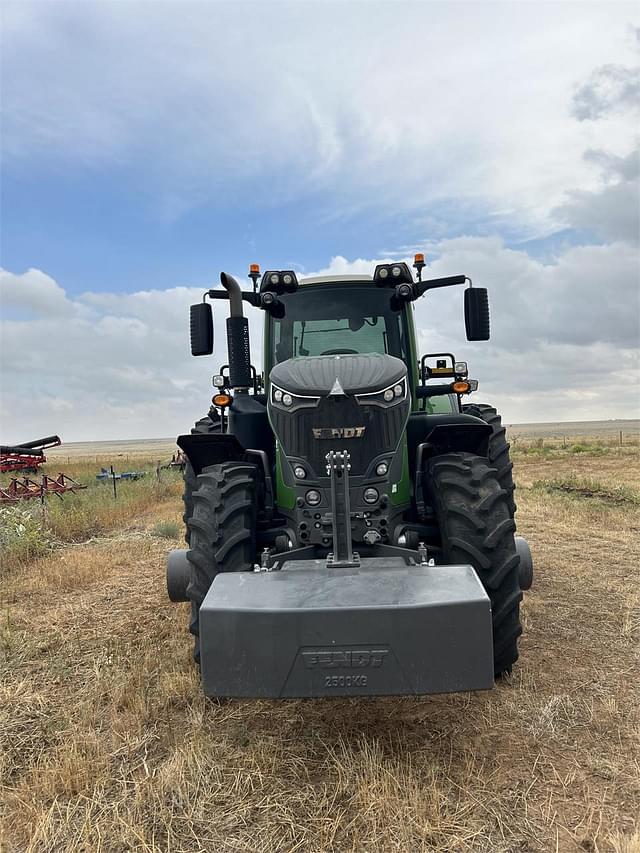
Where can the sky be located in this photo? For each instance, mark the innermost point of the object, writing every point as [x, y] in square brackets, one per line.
[146, 146]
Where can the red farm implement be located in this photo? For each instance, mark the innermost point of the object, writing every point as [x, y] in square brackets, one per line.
[26, 489]
[28, 456]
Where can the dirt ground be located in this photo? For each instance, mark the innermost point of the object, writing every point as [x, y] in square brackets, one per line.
[107, 745]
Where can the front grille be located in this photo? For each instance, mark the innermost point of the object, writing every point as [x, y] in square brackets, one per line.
[383, 430]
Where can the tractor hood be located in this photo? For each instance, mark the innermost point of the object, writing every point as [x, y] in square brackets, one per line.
[326, 375]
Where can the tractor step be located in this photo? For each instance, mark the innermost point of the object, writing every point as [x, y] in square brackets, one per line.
[383, 628]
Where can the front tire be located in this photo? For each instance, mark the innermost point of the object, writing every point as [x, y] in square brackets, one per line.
[221, 529]
[498, 451]
[477, 528]
[211, 423]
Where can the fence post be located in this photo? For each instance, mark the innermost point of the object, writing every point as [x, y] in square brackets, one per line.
[113, 478]
[42, 500]
[620, 438]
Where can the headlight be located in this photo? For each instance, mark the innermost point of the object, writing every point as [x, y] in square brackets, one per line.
[395, 393]
[282, 399]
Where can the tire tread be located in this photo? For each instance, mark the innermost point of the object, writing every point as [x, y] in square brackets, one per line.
[222, 530]
[211, 423]
[477, 527]
[498, 451]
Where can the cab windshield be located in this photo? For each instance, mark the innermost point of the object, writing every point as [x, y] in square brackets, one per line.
[338, 319]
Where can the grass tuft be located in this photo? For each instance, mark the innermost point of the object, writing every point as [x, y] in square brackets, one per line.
[30, 529]
[167, 530]
[586, 487]
[23, 534]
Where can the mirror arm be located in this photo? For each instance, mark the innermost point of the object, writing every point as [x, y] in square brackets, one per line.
[448, 281]
[423, 391]
[247, 296]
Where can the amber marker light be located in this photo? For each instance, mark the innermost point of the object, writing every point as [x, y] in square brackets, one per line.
[222, 400]
[254, 268]
[419, 264]
[461, 387]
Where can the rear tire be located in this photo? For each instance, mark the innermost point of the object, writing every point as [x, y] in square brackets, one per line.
[476, 527]
[222, 531]
[498, 452]
[211, 423]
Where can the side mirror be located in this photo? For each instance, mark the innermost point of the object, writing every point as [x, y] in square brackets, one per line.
[476, 314]
[201, 317]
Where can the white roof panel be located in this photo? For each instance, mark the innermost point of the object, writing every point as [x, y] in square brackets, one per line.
[318, 279]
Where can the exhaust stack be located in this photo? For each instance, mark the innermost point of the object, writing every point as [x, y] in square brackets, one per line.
[237, 337]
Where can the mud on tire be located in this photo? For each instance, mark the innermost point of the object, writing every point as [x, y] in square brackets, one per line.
[476, 526]
[222, 531]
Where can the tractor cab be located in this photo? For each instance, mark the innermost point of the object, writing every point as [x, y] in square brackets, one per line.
[344, 315]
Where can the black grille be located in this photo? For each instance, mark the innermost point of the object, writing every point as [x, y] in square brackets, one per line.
[383, 430]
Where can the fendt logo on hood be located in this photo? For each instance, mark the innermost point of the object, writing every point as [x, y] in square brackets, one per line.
[339, 432]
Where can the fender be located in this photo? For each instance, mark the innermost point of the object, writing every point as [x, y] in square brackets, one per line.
[448, 432]
[204, 449]
[456, 437]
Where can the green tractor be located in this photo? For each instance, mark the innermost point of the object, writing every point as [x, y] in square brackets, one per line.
[350, 521]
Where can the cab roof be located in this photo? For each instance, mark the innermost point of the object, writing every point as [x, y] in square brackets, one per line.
[330, 279]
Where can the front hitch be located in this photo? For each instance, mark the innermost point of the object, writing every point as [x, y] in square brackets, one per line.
[343, 555]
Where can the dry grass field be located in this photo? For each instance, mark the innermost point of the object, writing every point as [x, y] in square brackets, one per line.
[106, 743]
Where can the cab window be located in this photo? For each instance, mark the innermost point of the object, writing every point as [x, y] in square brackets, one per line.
[337, 319]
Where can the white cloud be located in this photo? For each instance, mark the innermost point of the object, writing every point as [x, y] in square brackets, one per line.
[392, 104]
[610, 88]
[612, 212]
[34, 291]
[588, 295]
[562, 347]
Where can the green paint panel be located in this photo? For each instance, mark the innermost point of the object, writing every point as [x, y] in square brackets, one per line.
[402, 495]
[285, 495]
[412, 366]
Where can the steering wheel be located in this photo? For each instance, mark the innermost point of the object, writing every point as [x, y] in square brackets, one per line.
[340, 352]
